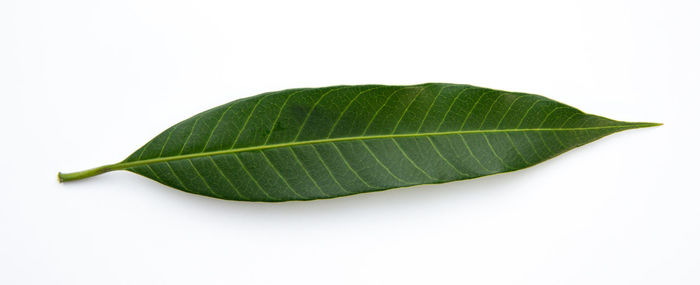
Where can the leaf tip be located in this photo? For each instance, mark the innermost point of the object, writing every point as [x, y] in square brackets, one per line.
[649, 125]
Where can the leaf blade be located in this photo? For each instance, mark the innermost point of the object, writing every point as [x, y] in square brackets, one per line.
[312, 143]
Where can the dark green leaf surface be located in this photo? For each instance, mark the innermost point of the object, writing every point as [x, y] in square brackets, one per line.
[314, 143]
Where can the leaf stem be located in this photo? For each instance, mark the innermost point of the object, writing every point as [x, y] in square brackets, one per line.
[64, 177]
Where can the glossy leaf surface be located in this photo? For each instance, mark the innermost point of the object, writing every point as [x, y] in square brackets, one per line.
[312, 143]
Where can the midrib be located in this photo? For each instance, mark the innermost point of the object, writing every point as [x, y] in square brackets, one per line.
[125, 165]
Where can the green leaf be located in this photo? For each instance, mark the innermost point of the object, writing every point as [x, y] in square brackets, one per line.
[314, 143]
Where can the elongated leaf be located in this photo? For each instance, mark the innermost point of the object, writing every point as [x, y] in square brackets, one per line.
[312, 143]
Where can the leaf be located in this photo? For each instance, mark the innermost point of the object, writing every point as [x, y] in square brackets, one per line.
[314, 143]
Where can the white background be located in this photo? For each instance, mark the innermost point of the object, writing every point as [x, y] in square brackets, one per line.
[85, 83]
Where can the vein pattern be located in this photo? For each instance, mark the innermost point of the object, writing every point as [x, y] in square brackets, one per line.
[312, 143]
